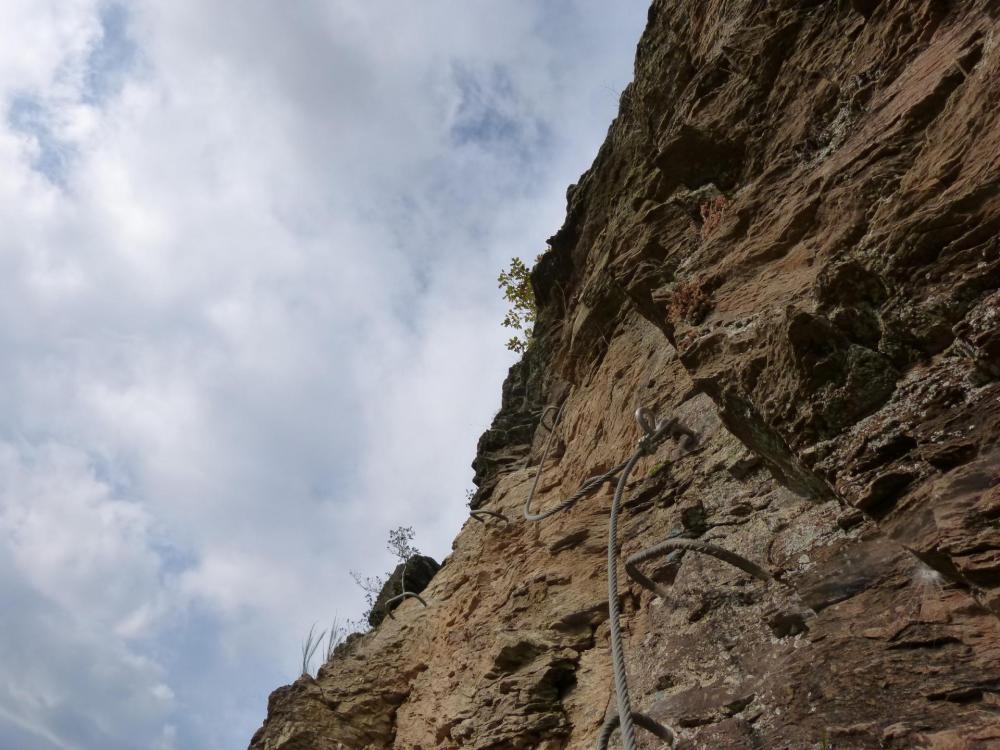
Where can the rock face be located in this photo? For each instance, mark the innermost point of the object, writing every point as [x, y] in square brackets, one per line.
[790, 241]
[411, 576]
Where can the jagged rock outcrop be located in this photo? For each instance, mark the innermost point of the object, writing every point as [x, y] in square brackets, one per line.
[790, 240]
[411, 576]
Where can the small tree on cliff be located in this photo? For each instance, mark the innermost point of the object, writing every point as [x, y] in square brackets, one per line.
[372, 586]
[400, 544]
[516, 285]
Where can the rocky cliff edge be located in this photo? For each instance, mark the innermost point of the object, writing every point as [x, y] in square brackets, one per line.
[790, 241]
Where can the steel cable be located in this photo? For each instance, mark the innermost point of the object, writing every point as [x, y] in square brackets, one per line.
[641, 720]
[404, 595]
[399, 598]
[692, 545]
[626, 720]
[483, 516]
[478, 515]
[589, 486]
[655, 432]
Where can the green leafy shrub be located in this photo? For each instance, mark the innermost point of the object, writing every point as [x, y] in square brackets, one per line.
[516, 285]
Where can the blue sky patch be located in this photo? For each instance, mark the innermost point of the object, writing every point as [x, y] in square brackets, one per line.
[28, 116]
[112, 58]
[493, 115]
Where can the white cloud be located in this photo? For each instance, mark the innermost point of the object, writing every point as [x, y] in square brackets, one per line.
[71, 540]
[249, 322]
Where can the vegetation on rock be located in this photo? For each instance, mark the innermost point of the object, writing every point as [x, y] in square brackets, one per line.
[516, 285]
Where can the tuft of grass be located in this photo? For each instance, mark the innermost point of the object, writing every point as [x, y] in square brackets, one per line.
[335, 636]
[309, 646]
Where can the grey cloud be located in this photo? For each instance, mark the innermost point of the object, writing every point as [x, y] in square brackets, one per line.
[255, 323]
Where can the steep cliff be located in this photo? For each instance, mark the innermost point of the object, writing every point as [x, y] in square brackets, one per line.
[789, 240]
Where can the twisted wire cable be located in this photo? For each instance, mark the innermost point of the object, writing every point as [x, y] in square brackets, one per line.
[483, 516]
[589, 486]
[404, 595]
[692, 545]
[641, 720]
[546, 411]
[655, 434]
[624, 700]
[399, 598]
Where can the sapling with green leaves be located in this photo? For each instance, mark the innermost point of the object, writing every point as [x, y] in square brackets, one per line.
[516, 285]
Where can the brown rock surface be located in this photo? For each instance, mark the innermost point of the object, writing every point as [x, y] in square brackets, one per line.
[829, 326]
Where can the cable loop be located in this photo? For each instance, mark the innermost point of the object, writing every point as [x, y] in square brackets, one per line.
[641, 720]
[399, 598]
[692, 545]
[655, 432]
[479, 513]
[646, 420]
[589, 487]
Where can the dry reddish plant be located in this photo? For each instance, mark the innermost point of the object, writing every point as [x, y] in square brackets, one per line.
[711, 214]
[691, 302]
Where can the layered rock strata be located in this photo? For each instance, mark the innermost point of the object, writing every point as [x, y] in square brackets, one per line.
[789, 240]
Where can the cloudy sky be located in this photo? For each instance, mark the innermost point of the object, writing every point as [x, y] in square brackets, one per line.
[249, 322]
